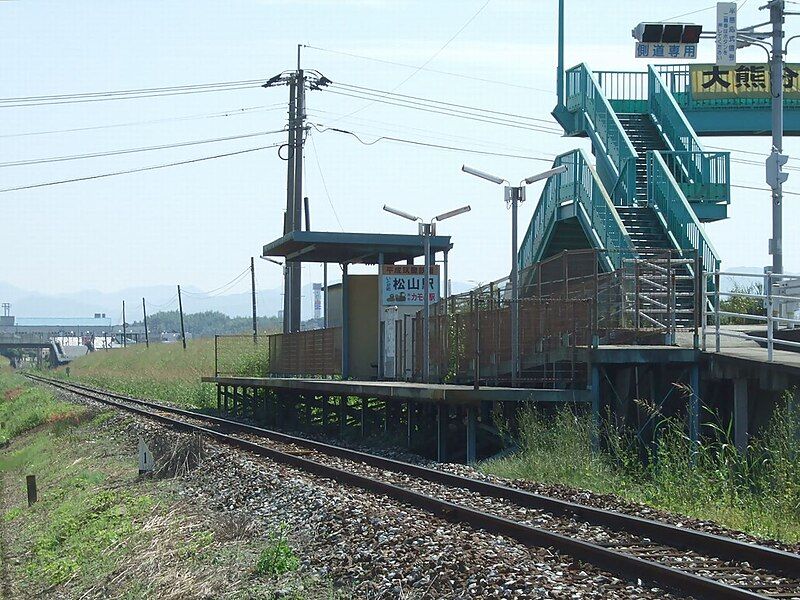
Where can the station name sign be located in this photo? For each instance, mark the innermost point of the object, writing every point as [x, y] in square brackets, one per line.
[745, 80]
[403, 285]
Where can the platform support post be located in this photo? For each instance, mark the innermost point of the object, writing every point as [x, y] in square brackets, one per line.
[364, 405]
[324, 400]
[441, 432]
[694, 408]
[342, 415]
[472, 431]
[219, 397]
[409, 423]
[740, 412]
[595, 394]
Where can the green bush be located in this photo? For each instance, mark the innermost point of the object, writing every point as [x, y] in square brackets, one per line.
[757, 492]
[278, 557]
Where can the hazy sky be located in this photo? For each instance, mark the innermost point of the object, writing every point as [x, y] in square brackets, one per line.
[199, 224]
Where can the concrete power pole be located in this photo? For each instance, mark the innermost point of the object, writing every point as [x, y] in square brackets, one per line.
[297, 81]
[146, 334]
[180, 309]
[124, 327]
[776, 14]
[253, 288]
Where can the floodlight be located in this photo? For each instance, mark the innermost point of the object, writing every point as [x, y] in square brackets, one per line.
[272, 260]
[400, 213]
[482, 175]
[452, 213]
[546, 174]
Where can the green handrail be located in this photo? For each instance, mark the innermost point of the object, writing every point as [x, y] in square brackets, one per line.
[585, 94]
[582, 185]
[666, 196]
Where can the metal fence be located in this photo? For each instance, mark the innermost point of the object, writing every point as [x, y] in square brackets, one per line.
[312, 353]
[472, 340]
[769, 300]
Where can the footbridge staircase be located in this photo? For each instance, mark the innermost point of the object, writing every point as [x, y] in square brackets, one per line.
[646, 190]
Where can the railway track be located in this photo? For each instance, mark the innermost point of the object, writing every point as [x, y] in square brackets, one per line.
[692, 562]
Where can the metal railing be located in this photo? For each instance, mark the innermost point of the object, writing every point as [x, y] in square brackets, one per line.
[579, 185]
[703, 176]
[681, 221]
[618, 155]
[769, 299]
[312, 353]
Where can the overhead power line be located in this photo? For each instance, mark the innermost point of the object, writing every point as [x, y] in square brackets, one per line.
[127, 94]
[429, 70]
[407, 98]
[227, 113]
[219, 291]
[450, 113]
[139, 170]
[36, 161]
[426, 144]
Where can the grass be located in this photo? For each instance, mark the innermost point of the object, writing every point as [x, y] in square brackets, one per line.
[99, 530]
[278, 557]
[164, 372]
[24, 406]
[757, 492]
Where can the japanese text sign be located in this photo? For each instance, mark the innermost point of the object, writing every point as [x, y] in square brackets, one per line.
[403, 285]
[726, 34]
[746, 80]
[663, 50]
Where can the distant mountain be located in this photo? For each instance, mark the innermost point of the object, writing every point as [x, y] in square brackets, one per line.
[159, 298]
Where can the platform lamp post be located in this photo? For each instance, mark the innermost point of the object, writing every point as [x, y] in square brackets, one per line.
[426, 230]
[514, 195]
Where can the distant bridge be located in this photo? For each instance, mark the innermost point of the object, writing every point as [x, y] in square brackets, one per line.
[28, 341]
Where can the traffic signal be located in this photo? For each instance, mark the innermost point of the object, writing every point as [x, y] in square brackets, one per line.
[667, 33]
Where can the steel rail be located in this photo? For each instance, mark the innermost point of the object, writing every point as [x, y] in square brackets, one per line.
[626, 565]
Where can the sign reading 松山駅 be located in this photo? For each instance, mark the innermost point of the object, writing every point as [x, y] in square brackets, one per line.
[403, 285]
[745, 80]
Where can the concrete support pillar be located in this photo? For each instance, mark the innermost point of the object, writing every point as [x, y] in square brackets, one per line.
[595, 395]
[441, 432]
[472, 434]
[740, 414]
[342, 415]
[694, 406]
[409, 423]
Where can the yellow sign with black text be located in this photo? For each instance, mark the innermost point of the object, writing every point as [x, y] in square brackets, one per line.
[744, 80]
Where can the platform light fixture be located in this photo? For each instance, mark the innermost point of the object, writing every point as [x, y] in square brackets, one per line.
[514, 195]
[426, 230]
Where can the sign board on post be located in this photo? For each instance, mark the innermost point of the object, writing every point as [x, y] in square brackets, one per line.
[662, 50]
[726, 34]
[403, 285]
[745, 80]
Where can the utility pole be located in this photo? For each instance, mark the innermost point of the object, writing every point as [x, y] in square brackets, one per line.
[253, 286]
[776, 17]
[297, 81]
[146, 334]
[124, 327]
[180, 309]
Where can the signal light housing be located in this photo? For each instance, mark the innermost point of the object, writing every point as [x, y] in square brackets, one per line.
[667, 33]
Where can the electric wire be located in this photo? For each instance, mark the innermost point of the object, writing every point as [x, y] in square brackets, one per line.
[409, 98]
[324, 128]
[322, 177]
[433, 56]
[52, 159]
[438, 135]
[137, 170]
[221, 290]
[437, 71]
[503, 122]
[127, 94]
[227, 113]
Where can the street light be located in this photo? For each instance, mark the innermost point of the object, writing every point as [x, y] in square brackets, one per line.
[426, 230]
[513, 196]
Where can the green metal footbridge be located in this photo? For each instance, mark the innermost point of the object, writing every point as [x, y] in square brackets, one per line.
[649, 184]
